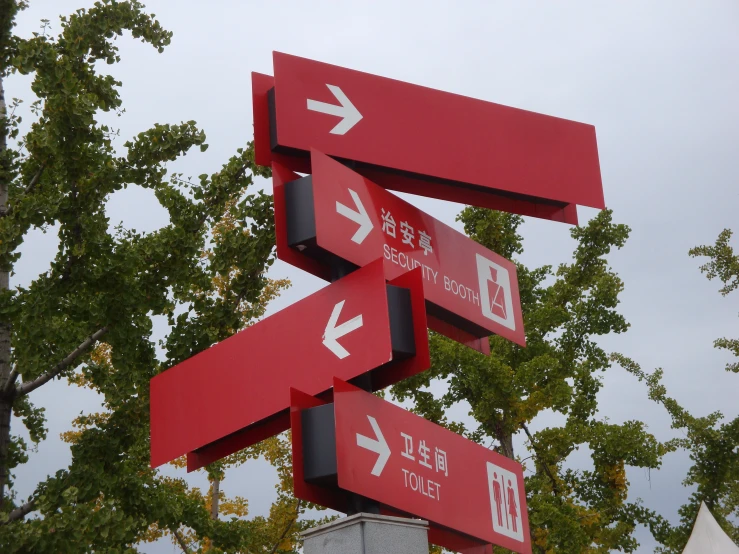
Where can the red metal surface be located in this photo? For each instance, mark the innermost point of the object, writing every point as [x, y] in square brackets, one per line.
[457, 272]
[397, 371]
[421, 185]
[465, 492]
[484, 198]
[333, 498]
[527, 159]
[339, 500]
[382, 376]
[282, 175]
[244, 381]
[234, 442]
[260, 85]
[463, 337]
[410, 128]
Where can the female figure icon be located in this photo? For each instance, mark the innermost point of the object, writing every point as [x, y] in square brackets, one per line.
[512, 506]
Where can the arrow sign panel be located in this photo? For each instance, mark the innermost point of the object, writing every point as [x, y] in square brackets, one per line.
[315, 477]
[428, 471]
[465, 284]
[214, 398]
[429, 142]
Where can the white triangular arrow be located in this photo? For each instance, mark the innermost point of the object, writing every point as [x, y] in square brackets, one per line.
[360, 217]
[378, 446]
[346, 110]
[333, 331]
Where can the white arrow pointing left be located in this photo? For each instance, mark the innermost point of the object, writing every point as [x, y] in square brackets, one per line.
[378, 446]
[359, 216]
[350, 115]
[333, 331]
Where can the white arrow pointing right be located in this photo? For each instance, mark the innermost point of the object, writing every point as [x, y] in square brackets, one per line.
[350, 115]
[333, 331]
[360, 217]
[378, 446]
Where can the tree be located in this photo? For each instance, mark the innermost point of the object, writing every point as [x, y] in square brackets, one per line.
[723, 264]
[713, 444]
[565, 310]
[88, 318]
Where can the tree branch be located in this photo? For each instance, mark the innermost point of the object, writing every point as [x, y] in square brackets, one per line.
[21, 512]
[7, 210]
[555, 488]
[25, 388]
[289, 525]
[181, 541]
[35, 179]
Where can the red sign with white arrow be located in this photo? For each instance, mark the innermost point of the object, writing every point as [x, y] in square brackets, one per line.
[465, 284]
[432, 142]
[345, 330]
[406, 462]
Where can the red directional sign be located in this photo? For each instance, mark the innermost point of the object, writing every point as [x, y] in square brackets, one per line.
[424, 141]
[326, 493]
[238, 392]
[403, 461]
[337, 211]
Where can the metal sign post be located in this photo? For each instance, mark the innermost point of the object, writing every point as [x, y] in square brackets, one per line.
[395, 271]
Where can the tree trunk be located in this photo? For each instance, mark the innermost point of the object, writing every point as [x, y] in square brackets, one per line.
[6, 410]
[6, 397]
[506, 444]
[504, 438]
[215, 491]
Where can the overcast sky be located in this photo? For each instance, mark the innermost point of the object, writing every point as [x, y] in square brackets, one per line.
[659, 80]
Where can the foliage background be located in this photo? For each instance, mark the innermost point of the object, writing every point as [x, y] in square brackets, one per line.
[674, 188]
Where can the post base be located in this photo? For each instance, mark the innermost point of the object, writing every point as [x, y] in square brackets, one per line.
[365, 533]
